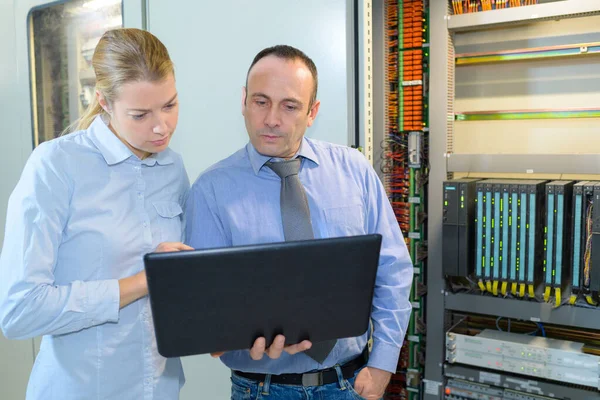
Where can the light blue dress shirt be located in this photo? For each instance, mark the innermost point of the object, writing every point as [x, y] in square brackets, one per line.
[236, 202]
[82, 216]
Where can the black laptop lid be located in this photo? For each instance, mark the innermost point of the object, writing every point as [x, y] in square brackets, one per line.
[223, 299]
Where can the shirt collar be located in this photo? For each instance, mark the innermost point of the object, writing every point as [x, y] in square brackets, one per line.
[165, 157]
[114, 151]
[258, 160]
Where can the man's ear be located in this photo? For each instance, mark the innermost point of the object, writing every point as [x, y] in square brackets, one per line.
[244, 95]
[312, 113]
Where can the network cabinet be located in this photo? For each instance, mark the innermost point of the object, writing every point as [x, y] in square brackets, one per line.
[559, 196]
[552, 359]
[458, 226]
[583, 193]
[508, 239]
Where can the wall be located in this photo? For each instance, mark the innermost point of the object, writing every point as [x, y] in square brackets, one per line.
[212, 44]
[16, 357]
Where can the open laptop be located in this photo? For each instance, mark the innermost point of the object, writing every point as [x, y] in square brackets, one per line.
[222, 299]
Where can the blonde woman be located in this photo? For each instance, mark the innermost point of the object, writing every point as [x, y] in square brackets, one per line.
[88, 206]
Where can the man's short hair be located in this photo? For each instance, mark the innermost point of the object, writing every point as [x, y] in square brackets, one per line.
[292, 54]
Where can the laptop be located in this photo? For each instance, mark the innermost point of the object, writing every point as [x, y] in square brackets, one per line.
[222, 299]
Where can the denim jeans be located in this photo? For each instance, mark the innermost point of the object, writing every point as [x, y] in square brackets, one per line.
[246, 389]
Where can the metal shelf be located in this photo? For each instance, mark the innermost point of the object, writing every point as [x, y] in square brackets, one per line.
[524, 310]
[511, 115]
[441, 85]
[525, 384]
[525, 163]
[535, 53]
[525, 14]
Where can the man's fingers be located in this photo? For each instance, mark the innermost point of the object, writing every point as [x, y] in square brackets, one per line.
[258, 349]
[275, 349]
[371, 382]
[361, 379]
[298, 348]
[359, 388]
[217, 354]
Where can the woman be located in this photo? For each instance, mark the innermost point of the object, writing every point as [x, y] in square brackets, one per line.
[87, 208]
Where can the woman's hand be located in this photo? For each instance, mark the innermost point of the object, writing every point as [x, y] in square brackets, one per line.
[171, 246]
[135, 287]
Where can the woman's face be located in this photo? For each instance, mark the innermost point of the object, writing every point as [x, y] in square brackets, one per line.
[144, 115]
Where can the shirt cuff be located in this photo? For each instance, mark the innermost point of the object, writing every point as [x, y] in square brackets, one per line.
[384, 356]
[103, 301]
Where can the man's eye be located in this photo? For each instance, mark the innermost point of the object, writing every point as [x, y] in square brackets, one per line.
[138, 116]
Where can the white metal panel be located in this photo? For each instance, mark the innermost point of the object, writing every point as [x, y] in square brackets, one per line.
[16, 135]
[134, 14]
[551, 10]
[213, 44]
[365, 49]
[16, 357]
[561, 83]
[16, 360]
[14, 108]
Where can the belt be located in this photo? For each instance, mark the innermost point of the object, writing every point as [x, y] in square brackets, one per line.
[317, 378]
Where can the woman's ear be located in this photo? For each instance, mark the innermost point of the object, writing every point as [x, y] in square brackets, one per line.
[102, 101]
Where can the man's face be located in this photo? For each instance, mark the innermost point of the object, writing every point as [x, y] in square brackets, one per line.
[275, 106]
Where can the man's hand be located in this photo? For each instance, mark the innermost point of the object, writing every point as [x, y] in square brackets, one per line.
[371, 383]
[277, 347]
[171, 246]
[274, 351]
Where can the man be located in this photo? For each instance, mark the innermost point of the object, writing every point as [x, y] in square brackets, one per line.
[240, 200]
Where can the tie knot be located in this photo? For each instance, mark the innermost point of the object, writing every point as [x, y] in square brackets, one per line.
[285, 168]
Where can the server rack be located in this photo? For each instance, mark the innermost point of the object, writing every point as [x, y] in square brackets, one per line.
[559, 195]
[441, 302]
[458, 228]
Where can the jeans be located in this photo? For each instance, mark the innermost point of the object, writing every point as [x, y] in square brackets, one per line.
[246, 389]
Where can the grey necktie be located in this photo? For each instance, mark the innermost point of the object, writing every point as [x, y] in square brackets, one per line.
[295, 216]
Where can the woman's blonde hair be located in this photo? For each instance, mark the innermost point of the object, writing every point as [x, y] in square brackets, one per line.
[123, 56]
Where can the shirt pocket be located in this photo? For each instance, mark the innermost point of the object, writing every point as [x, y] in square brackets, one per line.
[345, 221]
[169, 220]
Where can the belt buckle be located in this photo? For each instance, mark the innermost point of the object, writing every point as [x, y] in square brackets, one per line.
[313, 379]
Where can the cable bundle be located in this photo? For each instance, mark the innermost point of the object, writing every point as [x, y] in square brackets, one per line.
[472, 6]
[412, 23]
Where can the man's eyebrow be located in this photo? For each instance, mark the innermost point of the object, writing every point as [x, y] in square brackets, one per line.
[292, 100]
[287, 99]
[260, 95]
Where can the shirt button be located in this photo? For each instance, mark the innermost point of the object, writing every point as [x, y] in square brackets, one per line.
[139, 195]
[145, 225]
